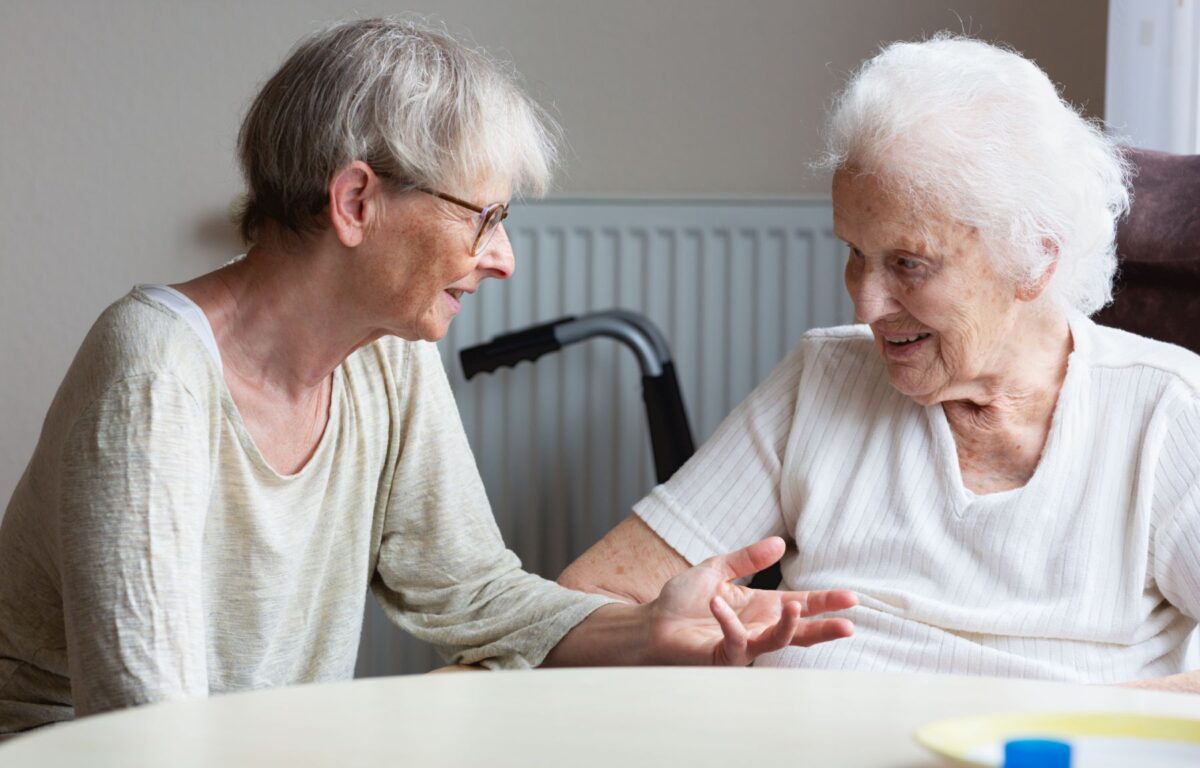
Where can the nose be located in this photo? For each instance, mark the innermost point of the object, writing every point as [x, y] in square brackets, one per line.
[869, 290]
[497, 258]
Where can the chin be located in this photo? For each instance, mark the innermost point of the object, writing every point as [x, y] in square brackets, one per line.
[428, 326]
[912, 388]
[419, 332]
[433, 336]
[924, 399]
[433, 331]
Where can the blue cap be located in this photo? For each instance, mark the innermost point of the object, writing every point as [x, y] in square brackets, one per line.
[1037, 753]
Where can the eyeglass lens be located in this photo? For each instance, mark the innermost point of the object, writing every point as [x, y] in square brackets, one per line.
[492, 216]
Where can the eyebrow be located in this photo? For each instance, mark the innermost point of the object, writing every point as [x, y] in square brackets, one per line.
[921, 253]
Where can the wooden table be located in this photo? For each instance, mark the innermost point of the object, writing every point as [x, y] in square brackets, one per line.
[732, 718]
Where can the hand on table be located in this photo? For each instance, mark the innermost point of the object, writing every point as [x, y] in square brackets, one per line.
[702, 617]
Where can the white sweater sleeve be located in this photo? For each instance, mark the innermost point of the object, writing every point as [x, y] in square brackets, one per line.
[728, 494]
[1177, 500]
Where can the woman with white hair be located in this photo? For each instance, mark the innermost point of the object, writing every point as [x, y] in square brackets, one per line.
[231, 462]
[1009, 488]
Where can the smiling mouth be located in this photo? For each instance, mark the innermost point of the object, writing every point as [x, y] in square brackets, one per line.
[903, 341]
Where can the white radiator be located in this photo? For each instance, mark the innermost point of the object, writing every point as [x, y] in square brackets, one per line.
[562, 444]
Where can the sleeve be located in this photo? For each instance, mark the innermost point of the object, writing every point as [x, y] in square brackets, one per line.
[728, 494]
[444, 574]
[135, 471]
[1176, 536]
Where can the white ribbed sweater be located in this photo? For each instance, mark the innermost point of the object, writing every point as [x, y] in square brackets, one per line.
[1091, 572]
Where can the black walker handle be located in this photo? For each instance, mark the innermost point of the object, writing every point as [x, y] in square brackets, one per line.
[511, 348]
[670, 434]
[666, 415]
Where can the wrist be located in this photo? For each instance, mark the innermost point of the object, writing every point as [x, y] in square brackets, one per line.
[618, 634]
[644, 651]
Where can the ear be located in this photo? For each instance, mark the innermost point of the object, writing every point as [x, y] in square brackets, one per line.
[354, 197]
[1031, 291]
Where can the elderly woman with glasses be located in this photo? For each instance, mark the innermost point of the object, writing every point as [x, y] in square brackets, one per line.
[232, 461]
[1009, 488]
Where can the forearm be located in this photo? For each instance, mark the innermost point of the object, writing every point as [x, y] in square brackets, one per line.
[613, 635]
[1185, 682]
[631, 563]
[702, 617]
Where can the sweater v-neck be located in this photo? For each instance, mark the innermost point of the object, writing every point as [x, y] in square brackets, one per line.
[197, 321]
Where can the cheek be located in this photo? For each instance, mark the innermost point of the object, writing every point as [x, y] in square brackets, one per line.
[457, 269]
[852, 276]
[967, 339]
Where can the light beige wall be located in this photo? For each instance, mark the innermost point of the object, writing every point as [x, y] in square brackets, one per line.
[117, 123]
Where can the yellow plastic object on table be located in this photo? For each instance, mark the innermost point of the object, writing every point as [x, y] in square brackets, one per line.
[1097, 738]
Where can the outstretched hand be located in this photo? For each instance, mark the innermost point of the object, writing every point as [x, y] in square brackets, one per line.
[702, 617]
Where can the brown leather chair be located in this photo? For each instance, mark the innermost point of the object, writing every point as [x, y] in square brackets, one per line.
[1158, 247]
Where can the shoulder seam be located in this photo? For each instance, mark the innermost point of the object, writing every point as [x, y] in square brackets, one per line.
[144, 375]
[1192, 387]
[109, 388]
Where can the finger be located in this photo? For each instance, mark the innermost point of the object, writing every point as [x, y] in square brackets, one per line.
[733, 648]
[748, 561]
[778, 636]
[822, 631]
[816, 603]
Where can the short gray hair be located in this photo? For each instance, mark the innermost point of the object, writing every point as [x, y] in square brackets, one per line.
[413, 103]
[980, 134]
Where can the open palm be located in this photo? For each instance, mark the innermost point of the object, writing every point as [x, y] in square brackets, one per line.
[702, 617]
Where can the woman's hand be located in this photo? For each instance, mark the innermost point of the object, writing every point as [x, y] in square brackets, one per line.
[702, 617]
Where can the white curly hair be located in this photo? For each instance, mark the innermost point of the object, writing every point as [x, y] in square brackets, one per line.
[979, 134]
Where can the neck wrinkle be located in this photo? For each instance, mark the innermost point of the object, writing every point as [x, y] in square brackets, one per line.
[1026, 392]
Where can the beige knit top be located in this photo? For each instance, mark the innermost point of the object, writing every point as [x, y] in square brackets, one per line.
[149, 552]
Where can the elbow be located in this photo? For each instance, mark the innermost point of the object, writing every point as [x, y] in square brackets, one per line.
[571, 578]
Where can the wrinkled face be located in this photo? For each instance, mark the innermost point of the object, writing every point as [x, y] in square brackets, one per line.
[424, 267]
[941, 314]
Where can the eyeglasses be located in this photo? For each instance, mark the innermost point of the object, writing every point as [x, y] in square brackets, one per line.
[490, 217]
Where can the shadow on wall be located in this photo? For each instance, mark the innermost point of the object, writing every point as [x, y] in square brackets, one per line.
[217, 233]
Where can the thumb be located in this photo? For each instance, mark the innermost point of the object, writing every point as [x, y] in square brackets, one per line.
[748, 560]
